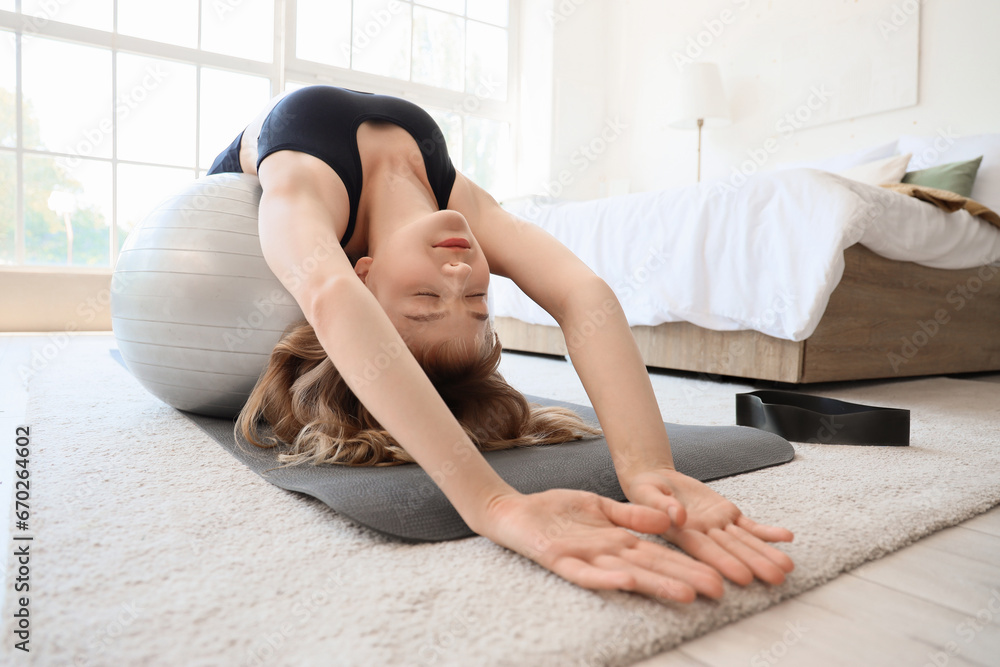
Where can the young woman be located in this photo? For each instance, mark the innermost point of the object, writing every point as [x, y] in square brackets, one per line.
[417, 244]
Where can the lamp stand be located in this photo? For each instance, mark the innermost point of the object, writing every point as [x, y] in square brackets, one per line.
[701, 121]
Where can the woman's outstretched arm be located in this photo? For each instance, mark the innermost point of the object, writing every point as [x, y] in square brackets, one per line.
[605, 356]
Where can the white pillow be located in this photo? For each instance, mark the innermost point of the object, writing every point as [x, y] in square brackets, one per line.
[942, 148]
[886, 170]
[839, 163]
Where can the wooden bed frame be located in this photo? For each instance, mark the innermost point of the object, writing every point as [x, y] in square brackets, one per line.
[885, 319]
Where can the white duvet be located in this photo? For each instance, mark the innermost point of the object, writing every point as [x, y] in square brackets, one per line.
[765, 256]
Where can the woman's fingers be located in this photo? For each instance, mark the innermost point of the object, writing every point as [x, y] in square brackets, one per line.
[761, 566]
[590, 540]
[779, 558]
[766, 533]
[663, 560]
[636, 517]
[707, 550]
[594, 551]
[659, 496]
[589, 576]
[649, 561]
[611, 572]
[738, 551]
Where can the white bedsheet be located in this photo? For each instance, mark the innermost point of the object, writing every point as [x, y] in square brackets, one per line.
[765, 256]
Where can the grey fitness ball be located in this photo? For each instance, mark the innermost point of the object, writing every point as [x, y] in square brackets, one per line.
[195, 309]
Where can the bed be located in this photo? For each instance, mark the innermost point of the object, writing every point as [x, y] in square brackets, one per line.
[797, 276]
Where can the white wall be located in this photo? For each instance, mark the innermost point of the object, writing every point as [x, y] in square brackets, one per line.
[615, 59]
[586, 126]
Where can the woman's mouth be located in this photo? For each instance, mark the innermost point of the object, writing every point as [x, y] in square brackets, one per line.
[454, 243]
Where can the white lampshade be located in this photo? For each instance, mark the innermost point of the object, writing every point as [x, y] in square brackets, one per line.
[701, 96]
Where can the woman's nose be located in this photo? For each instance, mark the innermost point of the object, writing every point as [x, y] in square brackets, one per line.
[457, 272]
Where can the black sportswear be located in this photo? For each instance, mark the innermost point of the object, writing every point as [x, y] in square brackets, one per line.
[323, 121]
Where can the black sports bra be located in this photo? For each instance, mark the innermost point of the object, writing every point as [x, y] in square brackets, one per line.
[323, 121]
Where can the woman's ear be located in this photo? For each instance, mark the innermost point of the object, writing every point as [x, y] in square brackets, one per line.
[362, 267]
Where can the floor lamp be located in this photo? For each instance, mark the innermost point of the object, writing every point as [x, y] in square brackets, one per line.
[702, 101]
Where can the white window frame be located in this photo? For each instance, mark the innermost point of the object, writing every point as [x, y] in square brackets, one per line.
[284, 67]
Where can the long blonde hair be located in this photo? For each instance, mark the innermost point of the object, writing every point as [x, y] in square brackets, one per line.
[312, 411]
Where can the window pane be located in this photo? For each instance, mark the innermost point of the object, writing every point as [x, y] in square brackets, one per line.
[8, 207]
[487, 155]
[438, 40]
[8, 84]
[229, 101]
[455, 6]
[323, 31]
[67, 211]
[174, 22]
[156, 110]
[451, 126]
[7, 5]
[381, 43]
[491, 11]
[55, 72]
[142, 188]
[486, 64]
[97, 14]
[243, 28]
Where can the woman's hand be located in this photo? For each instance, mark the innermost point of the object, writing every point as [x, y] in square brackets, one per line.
[581, 537]
[710, 528]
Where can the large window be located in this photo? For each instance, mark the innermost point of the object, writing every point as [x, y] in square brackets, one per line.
[106, 106]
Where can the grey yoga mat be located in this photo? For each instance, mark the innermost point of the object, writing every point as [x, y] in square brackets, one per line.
[404, 502]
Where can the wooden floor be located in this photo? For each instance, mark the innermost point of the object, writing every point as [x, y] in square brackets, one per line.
[934, 603]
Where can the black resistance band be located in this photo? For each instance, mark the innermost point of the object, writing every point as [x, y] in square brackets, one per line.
[815, 419]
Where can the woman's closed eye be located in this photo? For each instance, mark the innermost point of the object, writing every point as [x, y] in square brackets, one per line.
[477, 294]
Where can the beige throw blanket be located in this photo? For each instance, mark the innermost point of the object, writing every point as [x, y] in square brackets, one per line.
[946, 200]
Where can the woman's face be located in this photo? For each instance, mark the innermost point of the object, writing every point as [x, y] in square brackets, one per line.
[431, 278]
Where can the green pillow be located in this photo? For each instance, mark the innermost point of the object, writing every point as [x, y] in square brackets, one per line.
[957, 177]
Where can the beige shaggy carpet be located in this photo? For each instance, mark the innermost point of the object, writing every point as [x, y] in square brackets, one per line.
[153, 546]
